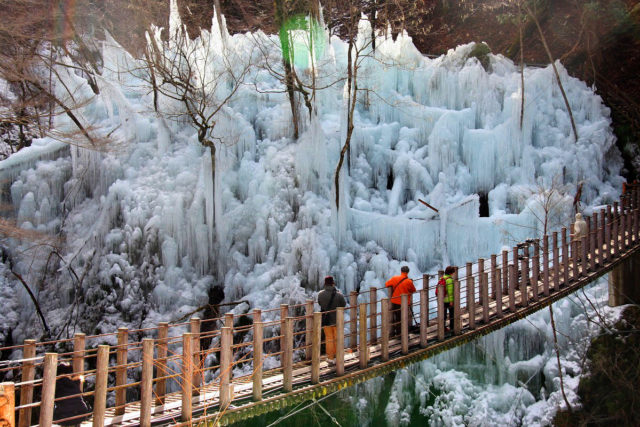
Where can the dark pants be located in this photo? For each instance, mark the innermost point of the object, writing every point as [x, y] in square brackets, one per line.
[396, 319]
[448, 308]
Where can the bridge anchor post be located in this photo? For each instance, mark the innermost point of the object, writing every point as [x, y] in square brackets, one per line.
[622, 282]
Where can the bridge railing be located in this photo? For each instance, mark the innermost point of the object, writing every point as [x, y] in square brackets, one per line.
[171, 371]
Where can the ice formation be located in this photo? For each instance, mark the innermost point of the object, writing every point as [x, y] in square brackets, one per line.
[136, 225]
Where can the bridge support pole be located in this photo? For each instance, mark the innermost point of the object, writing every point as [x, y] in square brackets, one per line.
[471, 297]
[146, 383]
[363, 345]
[195, 326]
[440, 313]
[308, 320]
[258, 338]
[353, 320]
[424, 312]
[163, 349]
[373, 315]
[498, 289]
[404, 323]
[28, 374]
[340, 341]
[457, 315]
[384, 338]
[121, 370]
[226, 369]
[287, 356]
[49, 390]
[187, 373]
[316, 342]
[622, 282]
[100, 394]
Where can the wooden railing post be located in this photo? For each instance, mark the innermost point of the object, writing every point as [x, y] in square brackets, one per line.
[228, 320]
[505, 271]
[556, 262]
[607, 233]
[353, 320]
[592, 242]
[616, 229]
[79, 345]
[100, 394]
[484, 291]
[146, 383]
[308, 325]
[492, 275]
[194, 324]
[602, 238]
[516, 263]
[187, 374]
[121, 370]
[535, 276]
[616, 235]
[316, 342]
[7, 404]
[524, 281]
[498, 289]
[284, 313]
[226, 366]
[384, 335]
[565, 257]
[340, 341]
[163, 350]
[634, 226]
[512, 287]
[49, 390]
[424, 313]
[28, 374]
[404, 323]
[258, 339]
[471, 298]
[545, 265]
[585, 255]
[457, 313]
[440, 314]
[363, 347]
[373, 315]
[287, 356]
[425, 286]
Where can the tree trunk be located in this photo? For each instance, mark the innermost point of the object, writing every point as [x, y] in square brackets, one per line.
[555, 69]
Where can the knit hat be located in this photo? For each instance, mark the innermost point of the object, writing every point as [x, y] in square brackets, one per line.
[329, 280]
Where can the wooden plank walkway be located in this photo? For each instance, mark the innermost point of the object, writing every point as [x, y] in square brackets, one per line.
[224, 381]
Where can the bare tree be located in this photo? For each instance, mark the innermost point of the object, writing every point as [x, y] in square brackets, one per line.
[201, 78]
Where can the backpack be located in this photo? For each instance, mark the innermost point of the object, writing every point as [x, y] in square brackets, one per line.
[442, 282]
[326, 317]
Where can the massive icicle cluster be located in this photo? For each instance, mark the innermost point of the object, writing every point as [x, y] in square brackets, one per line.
[136, 223]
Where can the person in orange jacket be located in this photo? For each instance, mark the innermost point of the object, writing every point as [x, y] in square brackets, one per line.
[399, 285]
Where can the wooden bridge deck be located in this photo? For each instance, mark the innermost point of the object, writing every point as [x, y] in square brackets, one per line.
[230, 379]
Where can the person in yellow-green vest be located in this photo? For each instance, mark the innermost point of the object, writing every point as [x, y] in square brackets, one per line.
[445, 284]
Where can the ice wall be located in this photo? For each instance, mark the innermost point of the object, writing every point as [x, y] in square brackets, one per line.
[136, 218]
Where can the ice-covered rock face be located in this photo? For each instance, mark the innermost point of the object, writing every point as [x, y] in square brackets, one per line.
[137, 222]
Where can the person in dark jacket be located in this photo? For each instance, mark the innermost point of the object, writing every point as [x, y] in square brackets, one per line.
[329, 299]
[67, 385]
